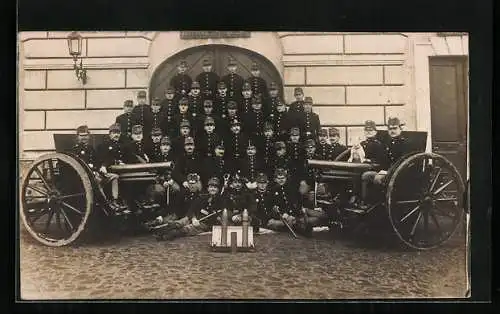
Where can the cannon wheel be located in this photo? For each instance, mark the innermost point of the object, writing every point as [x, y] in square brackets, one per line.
[424, 200]
[343, 156]
[56, 200]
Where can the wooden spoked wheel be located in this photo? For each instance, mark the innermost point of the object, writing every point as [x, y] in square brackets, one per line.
[56, 200]
[424, 199]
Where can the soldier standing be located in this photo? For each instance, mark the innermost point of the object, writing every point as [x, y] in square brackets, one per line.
[281, 159]
[232, 114]
[155, 153]
[178, 142]
[188, 162]
[234, 82]
[263, 200]
[273, 99]
[298, 104]
[265, 147]
[208, 112]
[208, 80]
[251, 166]
[324, 149]
[308, 174]
[142, 114]
[157, 115]
[215, 166]
[208, 140]
[181, 81]
[195, 100]
[185, 115]
[138, 147]
[281, 120]
[309, 121]
[221, 99]
[246, 101]
[337, 147]
[253, 121]
[170, 110]
[235, 147]
[259, 85]
[125, 119]
[296, 151]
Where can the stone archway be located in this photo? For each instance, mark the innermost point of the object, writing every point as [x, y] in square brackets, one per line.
[219, 55]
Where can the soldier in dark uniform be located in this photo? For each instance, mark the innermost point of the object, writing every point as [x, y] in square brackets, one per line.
[236, 143]
[181, 81]
[221, 99]
[208, 80]
[265, 148]
[246, 100]
[155, 153]
[309, 121]
[202, 206]
[138, 147]
[189, 162]
[397, 145]
[234, 82]
[298, 104]
[263, 201]
[195, 100]
[208, 140]
[281, 159]
[253, 121]
[259, 85]
[141, 114]
[274, 97]
[84, 150]
[170, 109]
[238, 199]
[296, 151]
[308, 174]
[157, 115]
[324, 150]
[179, 141]
[125, 119]
[232, 114]
[112, 152]
[208, 109]
[281, 120]
[185, 115]
[337, 147]
[215, 166]
[284, 202]
[251, 166]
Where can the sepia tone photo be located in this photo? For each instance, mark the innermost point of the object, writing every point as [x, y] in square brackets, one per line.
[243, 165]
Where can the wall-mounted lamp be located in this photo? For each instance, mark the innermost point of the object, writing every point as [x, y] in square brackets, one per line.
[75, 50]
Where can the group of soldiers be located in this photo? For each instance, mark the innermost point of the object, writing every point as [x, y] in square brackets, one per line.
[234, 144]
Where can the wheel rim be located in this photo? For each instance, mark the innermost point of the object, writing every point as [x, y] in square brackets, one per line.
[343, 156]
[424, 200]
[56, 200]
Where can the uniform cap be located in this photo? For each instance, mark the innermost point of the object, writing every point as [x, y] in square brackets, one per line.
[268, 126]
[310, 143]
[82, 129]
[156, 100]
[156, 132]
[298, 90]
[246, 86]
[207, 62]
[115, 127]
[294, 131]
[370, 125]
[235, 122]
[208, 103]
[323, 132]
[128, 103]
[195, 84]
[257, 99]
[137, 129]
[334, 131]
[232, 104]
[273, 86]
[165, 140]
[221, 85]
[308, 100]
[185, 124]
[192, 178]
[254, 67]
[170, 90]
[261, 178]
[188, 140]
[183, 101]
[280, 172]
[394, 121]
[279, 145]
[209, 120]
[214, 181]
[141, 94]
[231, 62]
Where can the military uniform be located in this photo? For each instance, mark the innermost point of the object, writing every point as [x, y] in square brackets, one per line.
[235, 147]
[138, 149]
[309, 123]
[396, 146]
[207, 142]
[296, 152]
[85, 151]
[281, 121]
[272, 101]
[258, 84]
[337, 148]
[195, 101]
[265, 149]
[187, 163]
[308, 174]
[157, 115]
[232, 115]
[251, 165]
[170, 110]
[221, 100]
[263, 201]
[239, 199]
[185, 116]
[280, 162]
[234, 82]
[125, 120]
[112, 152]
[142, 115]
[253, 121]
[246, 99]
[298, 105]
[181, 82]
[154, 153]
[215, 166]
[284, 196]
[208, 81]
[219, 123]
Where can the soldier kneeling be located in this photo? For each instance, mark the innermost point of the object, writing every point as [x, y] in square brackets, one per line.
[201, 216]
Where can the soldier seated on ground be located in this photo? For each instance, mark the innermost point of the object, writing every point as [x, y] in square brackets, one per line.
[263, 199]
[238, 199]
[194, 222]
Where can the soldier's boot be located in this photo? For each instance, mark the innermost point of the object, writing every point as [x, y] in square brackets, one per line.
[304, 229]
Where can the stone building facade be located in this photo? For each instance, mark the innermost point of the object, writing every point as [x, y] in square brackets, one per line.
[352, 77]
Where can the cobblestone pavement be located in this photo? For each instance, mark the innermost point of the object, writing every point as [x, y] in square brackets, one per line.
[141, 268]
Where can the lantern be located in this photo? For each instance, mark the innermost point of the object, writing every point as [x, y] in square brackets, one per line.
[75, 44]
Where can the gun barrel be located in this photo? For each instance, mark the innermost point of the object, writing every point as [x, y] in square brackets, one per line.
[136, 167]
[339, 165]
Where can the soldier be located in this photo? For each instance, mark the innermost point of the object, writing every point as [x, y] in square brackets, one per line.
[203, 206]
[265, 147]
[253, 121]
[125, 119]
[178, 142]
[397, 145]
[141, 115]
[208, 79]
[112, 152]
[281, 159]
[298, 104]
[246, 101]
[324, 149]
[309, 121]
[188, 162]
[170, 110]
[308, 174]
[158, 116]
[166, 150]
[215, 166]
[235, 146]
[263, 200]
[251, 165]
[233, 81]
[208, 112]
[208, 140]
[273, 98]
[238, 199]
[337, 148]
[185, 115]
[281, 120]
[181, 81]
[259, 85]
[296, 151]
[83, 150]
[195, 100]
[284, 202]
[138, 147]
[221, 99]
[155, 154]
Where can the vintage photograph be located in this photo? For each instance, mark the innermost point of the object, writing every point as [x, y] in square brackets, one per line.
[243, 165]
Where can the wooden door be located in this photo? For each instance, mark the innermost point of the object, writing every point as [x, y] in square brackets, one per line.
[448, 96]
[219, 54]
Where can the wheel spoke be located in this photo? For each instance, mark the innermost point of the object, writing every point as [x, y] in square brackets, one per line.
[30, 197]
[47, 186]
[435, 220]
[58, 220]
[410, 213]
[408, 202]
[71, 195]
[47, 224]
[446, 199]
[434, 181]
[441, 188]
[72, 208]
[34, 188]
[68, 222]
[412, 233]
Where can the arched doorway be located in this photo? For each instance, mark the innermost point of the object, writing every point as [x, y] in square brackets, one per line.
[219, 54]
